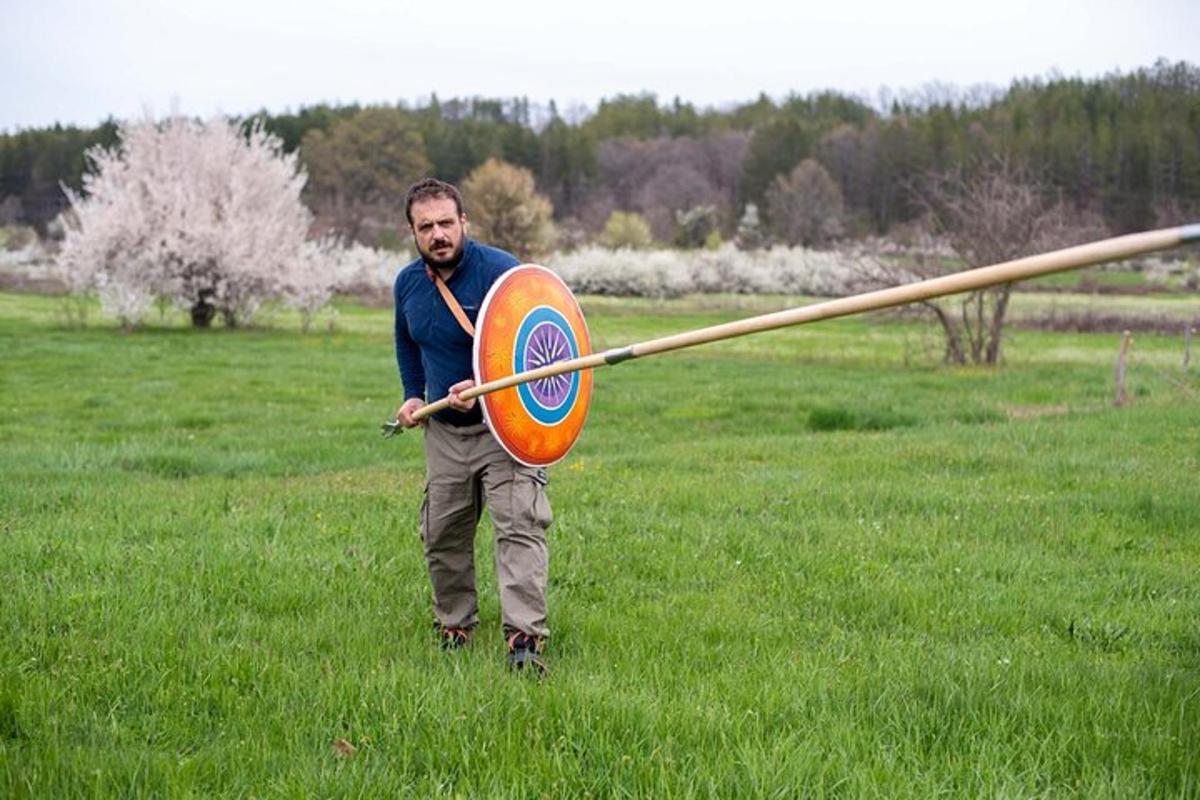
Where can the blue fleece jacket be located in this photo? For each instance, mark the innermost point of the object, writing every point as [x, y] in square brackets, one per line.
[432, 350]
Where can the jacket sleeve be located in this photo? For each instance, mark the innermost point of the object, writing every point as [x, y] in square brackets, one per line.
[408, 354]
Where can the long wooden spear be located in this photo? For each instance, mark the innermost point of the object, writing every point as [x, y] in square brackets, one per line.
[1084, 255]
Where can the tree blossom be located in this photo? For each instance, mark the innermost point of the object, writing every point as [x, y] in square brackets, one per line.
[203, 214]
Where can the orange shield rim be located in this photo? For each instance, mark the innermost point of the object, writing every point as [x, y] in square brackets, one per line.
[529, 319]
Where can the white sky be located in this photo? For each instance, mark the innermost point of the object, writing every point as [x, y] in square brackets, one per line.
[78, 62]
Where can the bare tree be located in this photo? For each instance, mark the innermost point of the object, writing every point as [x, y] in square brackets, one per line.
[998, 213]
[662, 177]
[723, 155]
[847, 154]
[672, 189]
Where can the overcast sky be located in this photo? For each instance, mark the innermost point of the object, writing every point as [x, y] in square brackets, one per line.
[79, 62]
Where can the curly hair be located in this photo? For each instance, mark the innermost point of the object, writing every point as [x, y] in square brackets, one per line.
[430, 189]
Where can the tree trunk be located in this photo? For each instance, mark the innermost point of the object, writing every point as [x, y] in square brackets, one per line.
[954, 353]
[203, 311]
[996, 326]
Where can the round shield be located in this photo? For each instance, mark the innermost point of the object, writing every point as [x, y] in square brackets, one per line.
[529, 319]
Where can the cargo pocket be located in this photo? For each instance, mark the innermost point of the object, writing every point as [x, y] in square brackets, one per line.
[529, 497]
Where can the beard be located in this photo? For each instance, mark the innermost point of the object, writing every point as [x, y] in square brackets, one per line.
[445, 262]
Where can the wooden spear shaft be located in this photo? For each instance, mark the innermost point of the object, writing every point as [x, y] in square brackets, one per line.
[1084, 255]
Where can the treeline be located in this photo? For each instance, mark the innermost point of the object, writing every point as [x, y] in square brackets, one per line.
[1125, 147]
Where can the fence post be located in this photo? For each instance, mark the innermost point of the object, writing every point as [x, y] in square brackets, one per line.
[1122, 397]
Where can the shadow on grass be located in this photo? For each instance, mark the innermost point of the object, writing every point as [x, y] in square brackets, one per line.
[853, 419]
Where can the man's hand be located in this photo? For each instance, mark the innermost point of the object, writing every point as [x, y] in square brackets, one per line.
[458, 403]
[405, 412]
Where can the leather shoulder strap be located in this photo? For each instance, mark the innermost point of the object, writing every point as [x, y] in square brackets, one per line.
[451, 302]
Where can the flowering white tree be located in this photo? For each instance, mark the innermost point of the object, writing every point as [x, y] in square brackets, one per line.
[203, 214]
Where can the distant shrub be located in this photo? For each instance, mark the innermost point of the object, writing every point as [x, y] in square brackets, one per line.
[506, 211]
[29, 268]
[671, 273]
[751, 235]
[805, 207]
[626, 229]
[17, 237]
[363, 270]
[695, 226]
[1163, 271]
[624, 273]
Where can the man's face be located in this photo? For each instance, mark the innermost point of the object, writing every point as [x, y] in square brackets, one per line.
[439, 231]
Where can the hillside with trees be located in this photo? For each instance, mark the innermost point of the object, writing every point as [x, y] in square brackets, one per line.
[1122, 148]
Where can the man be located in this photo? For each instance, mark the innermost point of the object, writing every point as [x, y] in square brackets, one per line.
[465, 466]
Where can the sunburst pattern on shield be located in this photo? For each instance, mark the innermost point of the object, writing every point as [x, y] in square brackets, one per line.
[530, 319]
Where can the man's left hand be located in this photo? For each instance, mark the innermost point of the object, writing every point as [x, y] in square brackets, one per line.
[458, 403]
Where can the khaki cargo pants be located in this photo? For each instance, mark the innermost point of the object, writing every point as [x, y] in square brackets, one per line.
[466, 468]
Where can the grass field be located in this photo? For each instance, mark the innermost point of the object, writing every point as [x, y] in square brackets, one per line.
[808, 563]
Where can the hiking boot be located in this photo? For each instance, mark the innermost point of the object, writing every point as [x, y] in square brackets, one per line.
[453, 638]
[525, 651]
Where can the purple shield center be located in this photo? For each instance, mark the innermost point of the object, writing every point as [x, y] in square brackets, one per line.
[547, 344]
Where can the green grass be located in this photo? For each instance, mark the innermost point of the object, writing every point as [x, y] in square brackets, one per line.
[806, 563]
[1095, 279]
[1091, 279]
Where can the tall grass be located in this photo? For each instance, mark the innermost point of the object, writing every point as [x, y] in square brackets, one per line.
[807, 563]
